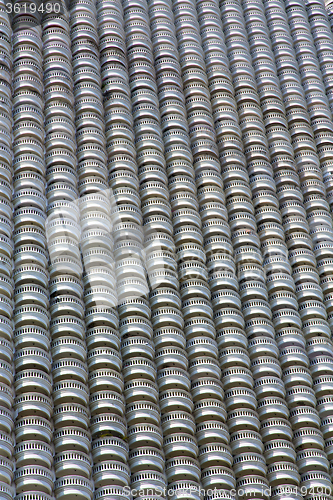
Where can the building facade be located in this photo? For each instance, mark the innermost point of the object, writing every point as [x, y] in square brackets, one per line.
[166, 250]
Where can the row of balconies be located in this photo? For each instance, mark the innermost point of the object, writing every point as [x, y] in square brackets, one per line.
[32, 403]
[103, 365]
[72, 433]
[33, 382]
[215, 472]
[6, 286]
[321, 269]
[302, 308]
[169, 400]
[320, 245]
[321, 44]
[165, 316]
